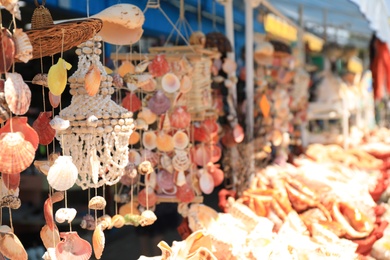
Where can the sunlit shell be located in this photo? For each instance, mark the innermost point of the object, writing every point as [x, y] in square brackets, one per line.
[42, 126]
[152, 197]
[229, 66]
[166, 163]
[54, 100]
[88, 222]
[149, 140]
[147, 115]
[134, 138]
[10, 245]
[97, 203]
[159, 103]
[57, 76]
[134, 157]
[16, 154]
[92, 80]
[62, 174]
[147, 218]
[181, 161]
[145, 167]
[50, 237]
[65, 214]
[58, 123]
[164, 142]
[11, 181]
[159, 66]
[126, 67]
[7, 50]
[170, 83]
[149, 86]
[206, 182]
[165, 180]
[131, 102]
[202, 155]
[19, 124]
[98, 241]
[23, 47]
[180, 118]
[73, 247]
[40, 79]
[17, 94]
[180, 140]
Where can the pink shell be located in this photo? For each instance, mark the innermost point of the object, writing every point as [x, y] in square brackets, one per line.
[54, 100]
[159, 66]
[17, 94]
[42, 126]
[180, 118]
[131, 102]
[202, 156]
[8, 49]
[159, 103]
[73, 247]
[185, 193]
[152, 197]
[150, 156]
[165, 180]
[206, 183]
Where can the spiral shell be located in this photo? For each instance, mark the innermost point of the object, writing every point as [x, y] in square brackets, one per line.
[97, 203]
[17, 94]
[23, 46]
[62, 174]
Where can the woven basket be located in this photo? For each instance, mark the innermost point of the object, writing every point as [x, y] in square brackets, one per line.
[41, 16]
[48, 41]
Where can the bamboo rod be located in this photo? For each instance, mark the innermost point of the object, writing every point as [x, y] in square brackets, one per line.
[173, 199]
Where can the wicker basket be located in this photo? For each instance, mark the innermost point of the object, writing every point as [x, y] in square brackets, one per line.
[41, 16]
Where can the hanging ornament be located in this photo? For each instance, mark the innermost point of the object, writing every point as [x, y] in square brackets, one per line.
[56, 77]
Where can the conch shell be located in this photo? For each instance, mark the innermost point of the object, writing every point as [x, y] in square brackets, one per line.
[57, 76]
[17, 93]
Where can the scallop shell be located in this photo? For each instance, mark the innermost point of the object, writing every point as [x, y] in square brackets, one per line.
[181, 161]
[98, 241]
[65, 214]
[147, 218]
[126, 67]
[10, 201]
[97, 203]
[166, 163]
[165, 180]
[117, 221]
[11, 181]
[54, 100]
[42, 126]
[185, 84]
[73, 247]
[202, 155]
[206, 182]
[131, 102]
[134, 157]
[92, 80]
[150, 156]
[40, 79]
[145, 168]
[134, 138]
[159, 66]
[23, 47]
[59, 124]
[229, 66]
[149, 140]
[7, 52]
[164, 142]
[147, 115]
[62, 174]
[149, 86]
[17, 94]
[10, 245]
[159, 103]
[180, 118]
[170, 83]
[16, 154]
[50, 237]
[19, 124]
[142, 66]
[180, 140]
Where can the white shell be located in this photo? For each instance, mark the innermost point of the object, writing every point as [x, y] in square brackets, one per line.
[92, 121]
[17, 94]
[65, 214]
[23, 46]
[170, 83]
[134, 157]
[149, 140]
[97, 203]
[62, 174]
[57, 123]
[166, 163]
[180, 140]
[206, 182]
[147, 218]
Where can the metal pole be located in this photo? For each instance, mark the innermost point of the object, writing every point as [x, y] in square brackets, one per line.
[301, 41]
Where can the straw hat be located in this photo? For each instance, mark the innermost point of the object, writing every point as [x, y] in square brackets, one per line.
[122, 24]
[263, 54]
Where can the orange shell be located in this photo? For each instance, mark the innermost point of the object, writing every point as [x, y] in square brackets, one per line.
[185, 84]
[180, 140]
[7, 50]
[98, 241]
[170, 83]
[126, 67]
[11, 181]
[134, 138]
[10, 245]
[149, 140]
[19, 124]
[16, 154]
[147, 115]
[54, 100]
[149, 86]
[92, 80]
[49, 237]
[42, 125]
[73, 247]
[202, 156]
[164, 142]
[17, 94]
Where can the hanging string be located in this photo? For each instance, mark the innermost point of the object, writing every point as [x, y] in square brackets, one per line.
[10, 219]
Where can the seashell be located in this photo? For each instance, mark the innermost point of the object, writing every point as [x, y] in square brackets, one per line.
[218, 79]
[181, 178]
[17, 94]
[54, 100]
[132, 219]
[202, 155]
[142, 66]
[40, 79]
[164, 142]
[117, 221]
[73, 247]
[159, 66]
[159, 103]
[151, 197]
[134, 157]
[10, 245]
[65, 214]
[129, 208]
[50, 237]
[57, 76]
[126, 67]
[134, 138]
[147, 218]
[62, 174]
[92, 80]
[117, 81]
[141, 124]
[185, 84]
[12, 6]
[229, 66]
[42, 166]
[7, 52]
[97, 203]
[11, 181]
[217, 174]
[23, 47]
[10, 201]
[92, 121]
[149, 140]
[150, 156]
[98, 241]
[147, 115]
[238, 133]
[42, 126]
[180, 118]
[19, 124]
[181, 161]
[185, 193]
[16, 154]
[50, 253]
[129, 176]
[149, 85]
[170, 83]
[104, 221]
[206, 182]
[48, 208]
[145, 168]
[59, 124]
[165, 123]
[166, 163]
[88, 222]
[131, 102]
[165, 180]
[180, 140]
[216, 152]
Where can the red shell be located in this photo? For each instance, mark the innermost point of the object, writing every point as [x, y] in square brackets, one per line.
[159, 66]
[152, 198]
[8, 49]
[42, 125]
[180, 118]
[216, 153]
[19, 124]
[185, 193]
[73, 247]
[131, 102]
[11, 181]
